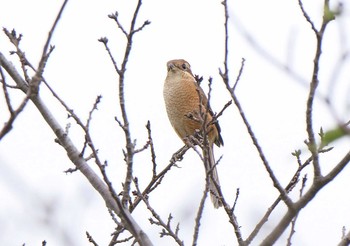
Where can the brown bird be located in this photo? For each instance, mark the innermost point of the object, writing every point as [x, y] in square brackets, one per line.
[187, 108]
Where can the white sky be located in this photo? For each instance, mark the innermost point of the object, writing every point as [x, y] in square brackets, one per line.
[39, 202]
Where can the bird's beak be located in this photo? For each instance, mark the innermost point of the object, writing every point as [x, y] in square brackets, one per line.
[170, 66]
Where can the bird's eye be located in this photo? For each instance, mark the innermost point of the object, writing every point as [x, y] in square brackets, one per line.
[184, 66]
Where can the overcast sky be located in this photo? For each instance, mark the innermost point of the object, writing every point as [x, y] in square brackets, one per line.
[39, 202]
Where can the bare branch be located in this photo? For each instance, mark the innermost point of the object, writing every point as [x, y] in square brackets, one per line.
[225, 78]
[124, 240]
[167, 230]
[224, 73]
[6, 93]
[200, 212]
[274, 179]
[147, 22]
[235, 202]
[309, 195]
[97, 101]
[307, 17]
[37, 78]
[105, 42]
[153, 154]
[216, 116]
[157, 179]
[310, 100]
[13, 113]
[106, 192]
[91, 240]
[124, 123]
[130, 147]
[292, 183]
[345, 241]
[239, 75]
[293, 224]
[15, 40]
[115, 17]
[34, 84]
[8, 125]
[11, 70]
[230, 213]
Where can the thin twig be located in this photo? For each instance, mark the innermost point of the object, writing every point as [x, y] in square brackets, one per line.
[200, 212]
[15, 40]
[124, 240]
[294, 221]
[37, 78]
[8, 125]
[73, 153]
[118, 231]
[13, 113]
[345, 241]
[91, 240]
[307, 17]
[130, 147]
[104, 40]
[312, 91]
[34, 85]
[239, 74]
[157, 179]
[235, 202]
[268, 168]
[319, 181]
[224, 74]
[120, 26]
[231, 215]
[6, 93]
[288, 189]
[216, 116]
[153, 153]
[167, 230]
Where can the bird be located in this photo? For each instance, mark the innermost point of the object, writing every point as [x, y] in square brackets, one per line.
[187, 108]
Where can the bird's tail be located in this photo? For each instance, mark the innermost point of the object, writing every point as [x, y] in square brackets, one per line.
[213, 177]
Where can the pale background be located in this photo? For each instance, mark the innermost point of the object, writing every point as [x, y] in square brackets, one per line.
[39, 202]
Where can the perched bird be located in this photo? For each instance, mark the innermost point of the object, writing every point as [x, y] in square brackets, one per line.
[187, 108]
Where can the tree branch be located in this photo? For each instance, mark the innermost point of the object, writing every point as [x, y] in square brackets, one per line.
[225, 77]
[130, 148]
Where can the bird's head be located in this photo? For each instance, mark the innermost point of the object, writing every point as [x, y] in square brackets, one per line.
[179, 66]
